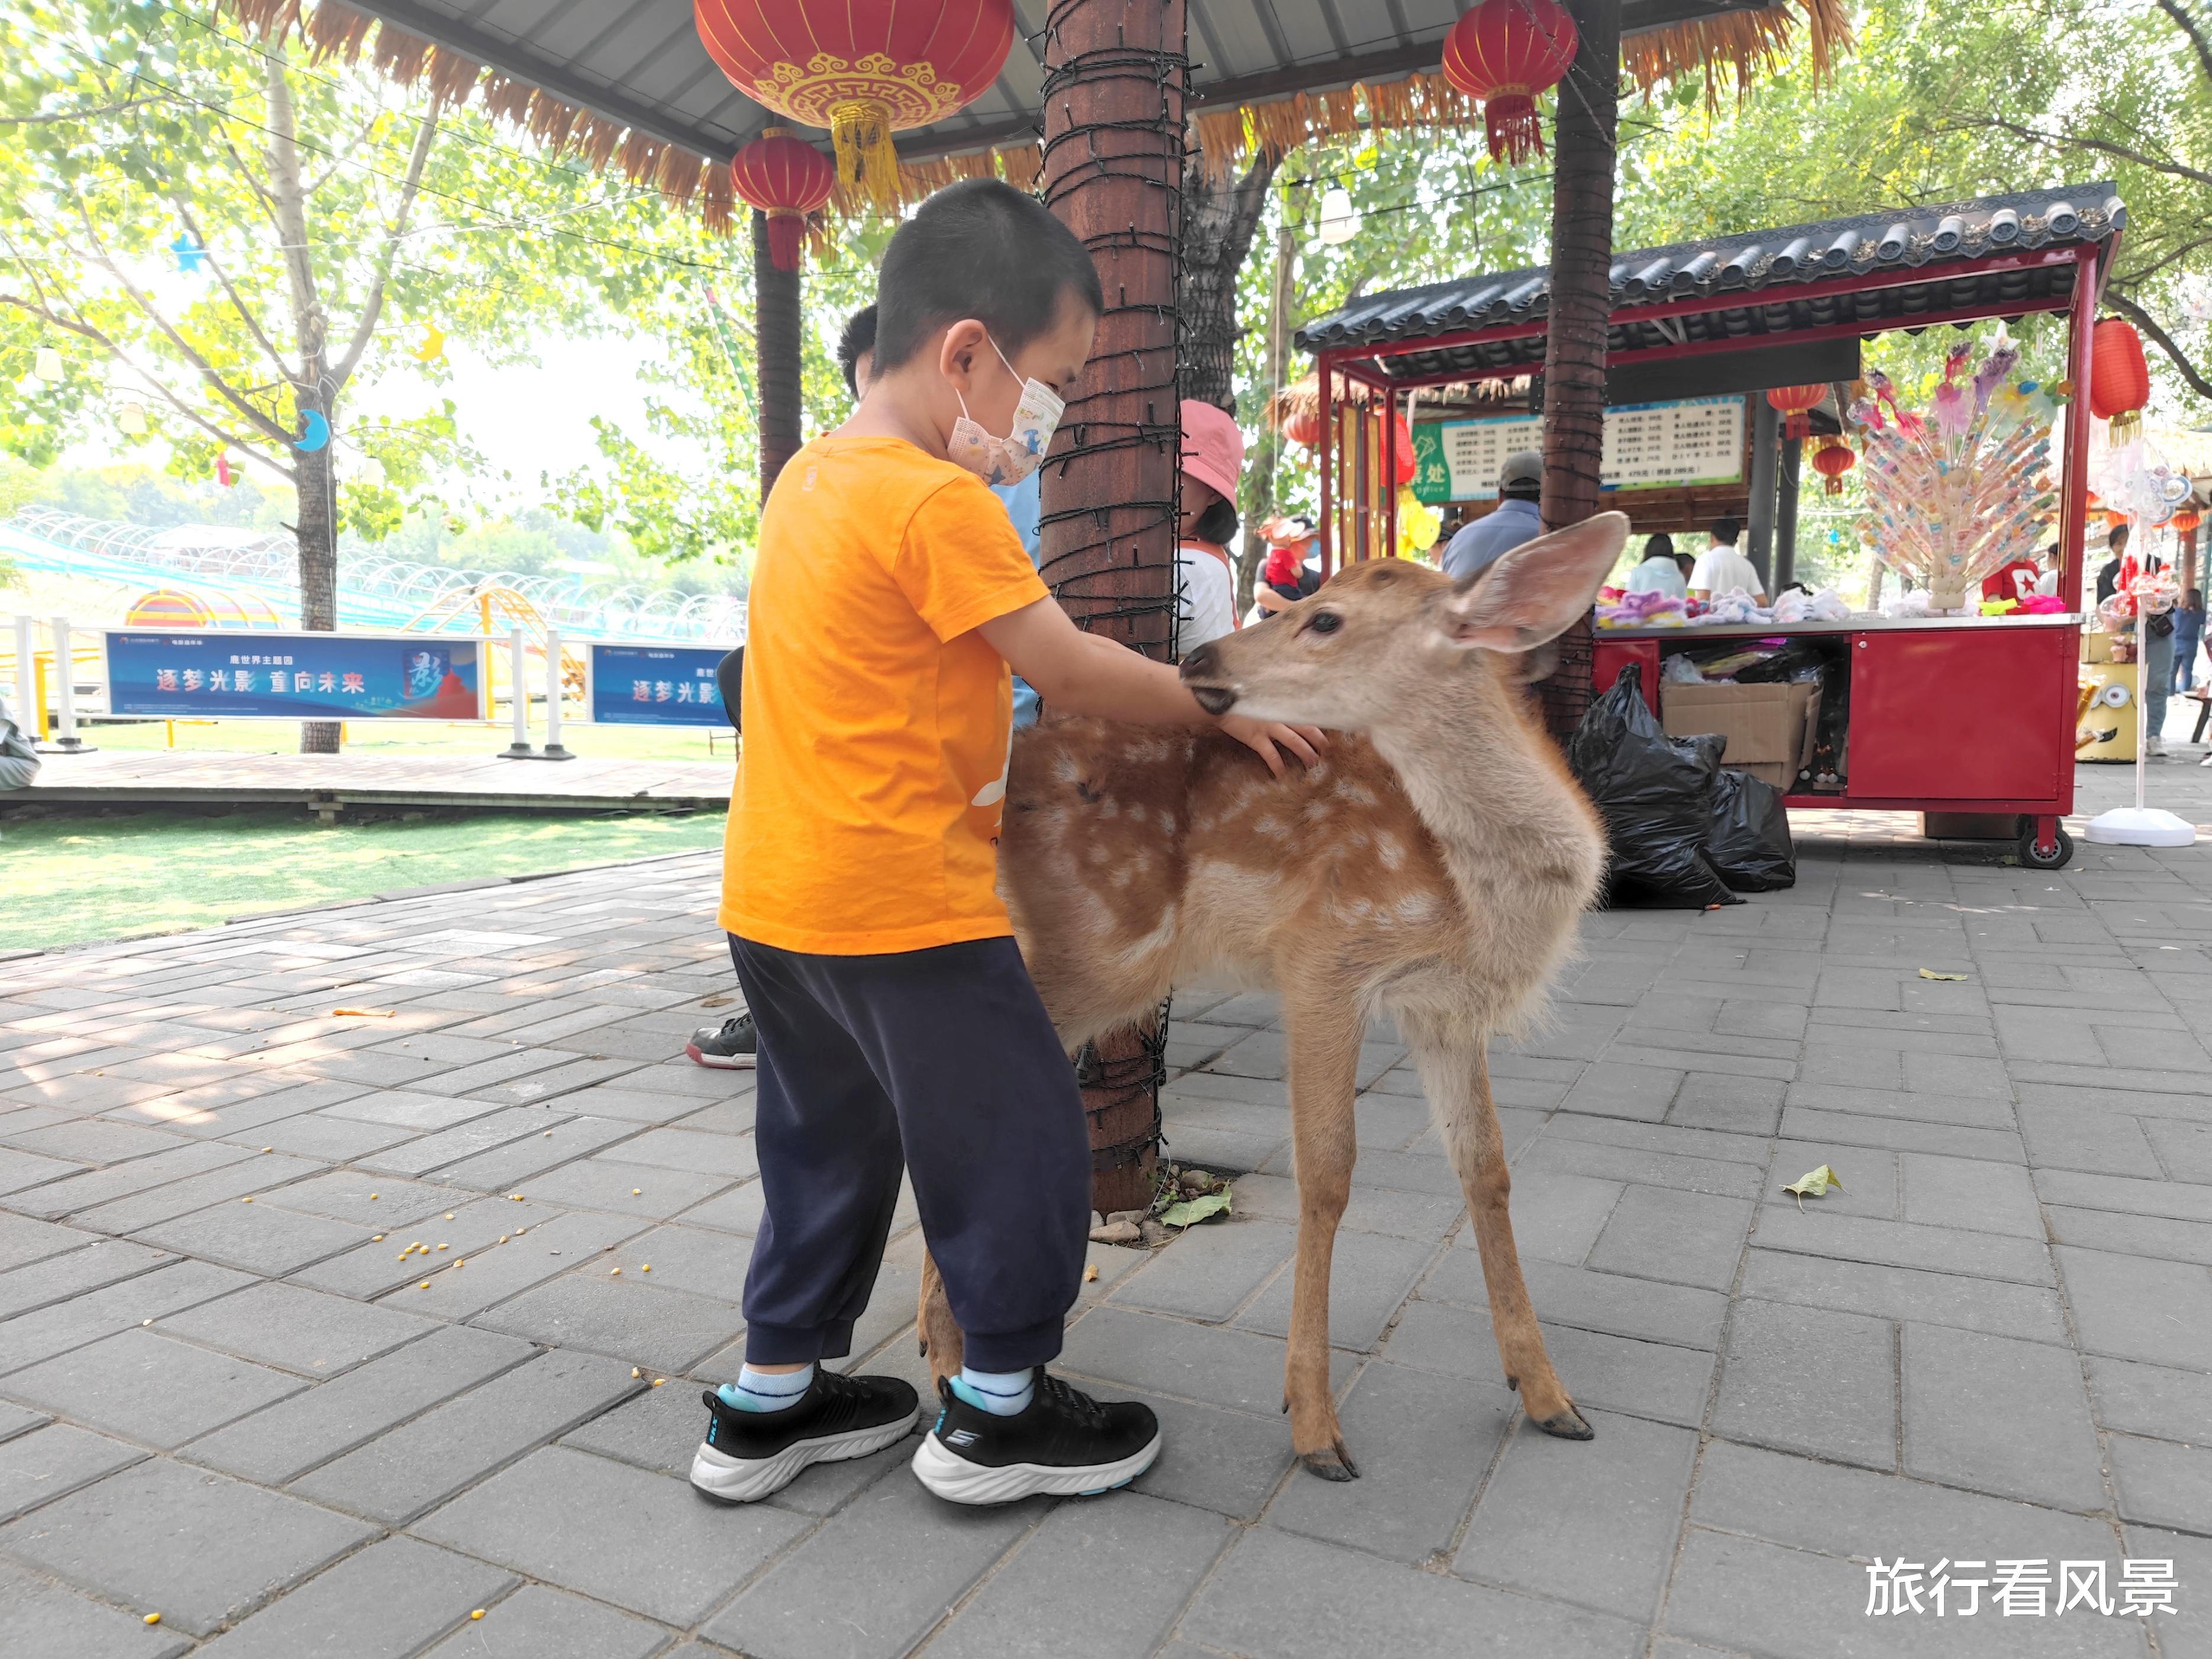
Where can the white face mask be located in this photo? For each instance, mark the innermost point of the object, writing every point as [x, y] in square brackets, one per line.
[1010, 459]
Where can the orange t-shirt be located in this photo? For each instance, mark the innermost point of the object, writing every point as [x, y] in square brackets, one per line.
[866, 814]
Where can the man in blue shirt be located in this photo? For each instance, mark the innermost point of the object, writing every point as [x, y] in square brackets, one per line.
[1520, 482]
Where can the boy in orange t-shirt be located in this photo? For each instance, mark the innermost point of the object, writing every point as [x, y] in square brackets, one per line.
[897, 1026]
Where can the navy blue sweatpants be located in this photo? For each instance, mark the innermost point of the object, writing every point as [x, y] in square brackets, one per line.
[942, 1060]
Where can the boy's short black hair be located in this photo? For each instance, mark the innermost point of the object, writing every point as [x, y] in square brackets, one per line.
[1217, 523]
[859, 337]
[1727, 530]
[981, 249]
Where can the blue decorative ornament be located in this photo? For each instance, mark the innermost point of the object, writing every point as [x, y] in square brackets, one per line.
[190, 256]
[314, 433]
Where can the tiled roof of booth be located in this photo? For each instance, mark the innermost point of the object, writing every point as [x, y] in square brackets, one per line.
[1788, 277]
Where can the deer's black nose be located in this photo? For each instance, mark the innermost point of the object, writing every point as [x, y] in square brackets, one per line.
[1203, 664]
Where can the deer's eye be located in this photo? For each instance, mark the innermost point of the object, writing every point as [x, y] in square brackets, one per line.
[1325, 622]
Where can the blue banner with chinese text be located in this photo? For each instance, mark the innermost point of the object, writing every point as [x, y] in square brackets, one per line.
[656, 685]
[233, 675]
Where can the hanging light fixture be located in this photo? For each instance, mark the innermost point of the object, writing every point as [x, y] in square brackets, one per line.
[131, 417]
[1339, 224]
[46, 364]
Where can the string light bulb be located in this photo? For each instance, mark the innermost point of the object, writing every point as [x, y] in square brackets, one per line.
[1339, 224]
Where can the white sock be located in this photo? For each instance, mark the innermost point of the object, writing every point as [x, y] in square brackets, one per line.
[1002, 1394]
[766, 1391]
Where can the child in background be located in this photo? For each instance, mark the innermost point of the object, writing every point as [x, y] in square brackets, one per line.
[897, 1025]
[2188, 635]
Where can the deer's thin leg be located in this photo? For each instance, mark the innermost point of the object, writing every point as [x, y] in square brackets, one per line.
[937, 1330]
[1324, 1070]
[1457, 1078]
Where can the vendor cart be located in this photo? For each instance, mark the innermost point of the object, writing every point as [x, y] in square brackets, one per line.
[1967, 716]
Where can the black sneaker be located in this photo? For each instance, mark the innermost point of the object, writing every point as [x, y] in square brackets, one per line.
[749, 1455]
[729, 1046]
[1064, 1443]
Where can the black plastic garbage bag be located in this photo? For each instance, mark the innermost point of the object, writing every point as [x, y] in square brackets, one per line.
[1750, 843]
[1656, 794]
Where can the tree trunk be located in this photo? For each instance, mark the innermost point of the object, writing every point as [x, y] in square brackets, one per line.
[776, 340]
[1219, 216]
[316, 478]
[1115, 74]
[1574, 348]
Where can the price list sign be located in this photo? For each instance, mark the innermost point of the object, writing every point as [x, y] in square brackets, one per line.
[1663, 446]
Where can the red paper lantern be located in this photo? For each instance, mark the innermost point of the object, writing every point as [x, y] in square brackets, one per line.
[1302, 427]
[1832, 460]
[864, 69]
[786, 179]
[2119, 379]
[1401, 455]
[1507, 52]
[2185, 521]
[1797, 403]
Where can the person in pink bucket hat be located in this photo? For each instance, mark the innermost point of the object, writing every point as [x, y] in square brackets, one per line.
[1212, 457]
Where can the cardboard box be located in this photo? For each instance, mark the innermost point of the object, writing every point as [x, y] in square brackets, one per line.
[1770, 728]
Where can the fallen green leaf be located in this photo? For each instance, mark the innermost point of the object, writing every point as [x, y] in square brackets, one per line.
[1930, 973]
[1813, 1184]
[1191, 1210]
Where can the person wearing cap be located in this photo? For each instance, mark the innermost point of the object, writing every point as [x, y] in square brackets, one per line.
[1212, 457]
[1513, 521]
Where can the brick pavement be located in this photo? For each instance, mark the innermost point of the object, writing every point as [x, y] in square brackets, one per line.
[227, 1395]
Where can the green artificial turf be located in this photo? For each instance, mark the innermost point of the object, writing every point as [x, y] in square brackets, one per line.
[66, 878]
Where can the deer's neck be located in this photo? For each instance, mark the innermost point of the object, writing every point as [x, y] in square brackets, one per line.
[1501, 807]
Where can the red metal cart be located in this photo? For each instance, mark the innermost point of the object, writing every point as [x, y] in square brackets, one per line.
[1965, 715]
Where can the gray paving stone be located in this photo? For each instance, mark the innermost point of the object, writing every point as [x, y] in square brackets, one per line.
[2001, 1308]
[2133, 1235]
[1557, 1216]
[94, 1140]
[2132, 1308]
[139, 1383]
[2163, 1485]
[15, 1420]
[383, 1603]
[24, 1172]
[2000, 1416]
[1590, 1523]
[1211, 1271]
[1212, 1365]
[1096, 1581]
[641, 1542]
[249, 1177]
[53, 1462]
[1591, 1301]
[631, 1190]
[1977, 1194]
[1614, 1373]
[1422, 1443]
[1813, 1231]
[505, 1168]
[920, 1554]
[1593, 1159]
[493, 1275]
[538, 1623]
[1684, 1237]
[31, 1337]
[283, 1441]
[53, 1198]
[2180, 1200]
[198, 1548]
[1277, 1596]
[2151, 1399]
[372, 1268]
[402, 1472]
[24, 1239]
[2186, 1633]
[52, 1623]
[422, 1114]
[260, 1238]
[58, 1278]
[1399, 1214]
[1228, 1462]
[1740, 1105]
[377, 1200]
[331, 1138]
[300, 1330]
[1810, 1379]
[1370, 1276]
[589, 1309]
[2064, 1137]
[697, 1261]
[424, 1153]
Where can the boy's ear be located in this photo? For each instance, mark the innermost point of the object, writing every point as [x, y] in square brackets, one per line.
[957, 349]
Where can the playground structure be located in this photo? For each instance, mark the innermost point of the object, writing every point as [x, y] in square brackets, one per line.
[374, 592]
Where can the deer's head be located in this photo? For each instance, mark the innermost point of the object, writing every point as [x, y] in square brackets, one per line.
[1378, 636]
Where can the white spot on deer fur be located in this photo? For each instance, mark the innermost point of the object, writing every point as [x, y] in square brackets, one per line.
[1270, 826]
[1415, 906]
[1355, 791]
[1065, 768]
[1158, 939]
[1390, 849]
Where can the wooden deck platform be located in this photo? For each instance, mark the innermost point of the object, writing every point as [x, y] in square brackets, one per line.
[329, 784]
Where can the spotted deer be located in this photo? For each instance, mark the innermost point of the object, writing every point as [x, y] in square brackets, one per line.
[1429, 869]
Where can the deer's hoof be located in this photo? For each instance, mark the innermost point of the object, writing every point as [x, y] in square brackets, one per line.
[1330, 1464]
[1567, 1425]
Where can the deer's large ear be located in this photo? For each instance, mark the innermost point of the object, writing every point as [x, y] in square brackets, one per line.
[1535, 593]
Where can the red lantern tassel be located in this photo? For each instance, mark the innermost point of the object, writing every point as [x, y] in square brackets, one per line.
[1797, 428]
[785, 229]
[1515, 134]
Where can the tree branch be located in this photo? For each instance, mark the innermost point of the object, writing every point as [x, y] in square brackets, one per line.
[373, 306]
[101, 338]
[2165, 342]
[183, 348]
[340, 158]
[127, 105]
[2187, 25]
[237, 303]
[2062, 141]
[290, 206]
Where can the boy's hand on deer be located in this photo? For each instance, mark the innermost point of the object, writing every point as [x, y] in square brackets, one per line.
[1267, 739]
